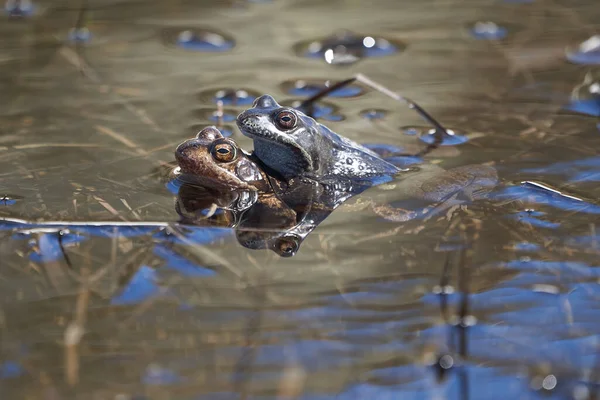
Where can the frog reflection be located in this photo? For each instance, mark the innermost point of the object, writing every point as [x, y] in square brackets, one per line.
[268, 212]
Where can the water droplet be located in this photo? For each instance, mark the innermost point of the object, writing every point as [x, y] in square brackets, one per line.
[308, 88]
[487, 30]
[587, 52]
[80, 35]
[197, 39]
[446, 361]
[213, 115]
[320, 110]
[373, 114]
[549, 382]
[19, 8]
[229, 96]
[453, 137]
[345, 48]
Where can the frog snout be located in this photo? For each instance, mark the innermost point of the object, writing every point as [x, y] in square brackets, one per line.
[247, 122]
[185, 149]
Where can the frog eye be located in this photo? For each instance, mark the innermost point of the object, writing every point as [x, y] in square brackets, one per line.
[286, 120]
[287, 246]
[223, 150]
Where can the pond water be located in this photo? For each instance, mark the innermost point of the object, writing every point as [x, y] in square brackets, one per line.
[493, 298]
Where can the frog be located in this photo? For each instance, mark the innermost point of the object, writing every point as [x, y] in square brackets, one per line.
[212, 160]
[295, 145]
[283, 213]
[212, 169]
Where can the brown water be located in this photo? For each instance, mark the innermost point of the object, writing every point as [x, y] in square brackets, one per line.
[87, 134]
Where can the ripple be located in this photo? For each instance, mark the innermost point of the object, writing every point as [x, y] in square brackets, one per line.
[212, 115]
[585, 98]
[18, 9]
[345, 48]
[426, 134]
[308, 88]
[374, 114]
[587, 52]
[197, 39]
[320, 110]
[487, 30]
[80, 35]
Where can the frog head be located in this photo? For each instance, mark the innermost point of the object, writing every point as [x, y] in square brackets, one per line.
[285, 139]
[213, 160]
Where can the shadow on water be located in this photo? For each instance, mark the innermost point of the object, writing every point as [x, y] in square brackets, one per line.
[490, 293]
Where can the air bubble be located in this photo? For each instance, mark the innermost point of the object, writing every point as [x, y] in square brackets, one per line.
[320, 110]
[373, 114]
[345, 48]
[308, 88]
[19, 8]
[452, 138]
[587, 52]
[80, 35]
[233, 97]
[487, 30]
[197, 40]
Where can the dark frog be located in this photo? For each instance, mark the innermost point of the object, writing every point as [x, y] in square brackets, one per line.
[293, 144]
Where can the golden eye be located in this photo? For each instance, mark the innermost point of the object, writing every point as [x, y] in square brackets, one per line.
[287, 246]
[286, 120]
[223, 150]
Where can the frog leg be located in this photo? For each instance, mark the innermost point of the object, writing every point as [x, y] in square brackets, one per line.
[440, 131]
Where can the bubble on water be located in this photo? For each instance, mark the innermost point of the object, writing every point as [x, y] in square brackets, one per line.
[345, 48]
[234, 97]
[412, 130]
[310, 87]
[197, 39]
[452, 138]
[80, 35]
[19, 8]
[374, 114]
[11, 369]
[9, 200]
[487, 30]
[587, 52]
[320, 110]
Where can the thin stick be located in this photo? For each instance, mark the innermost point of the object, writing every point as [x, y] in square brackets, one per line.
[311, 100]
[440, 131]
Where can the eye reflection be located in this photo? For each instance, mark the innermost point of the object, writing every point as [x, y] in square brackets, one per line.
[286, 120]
